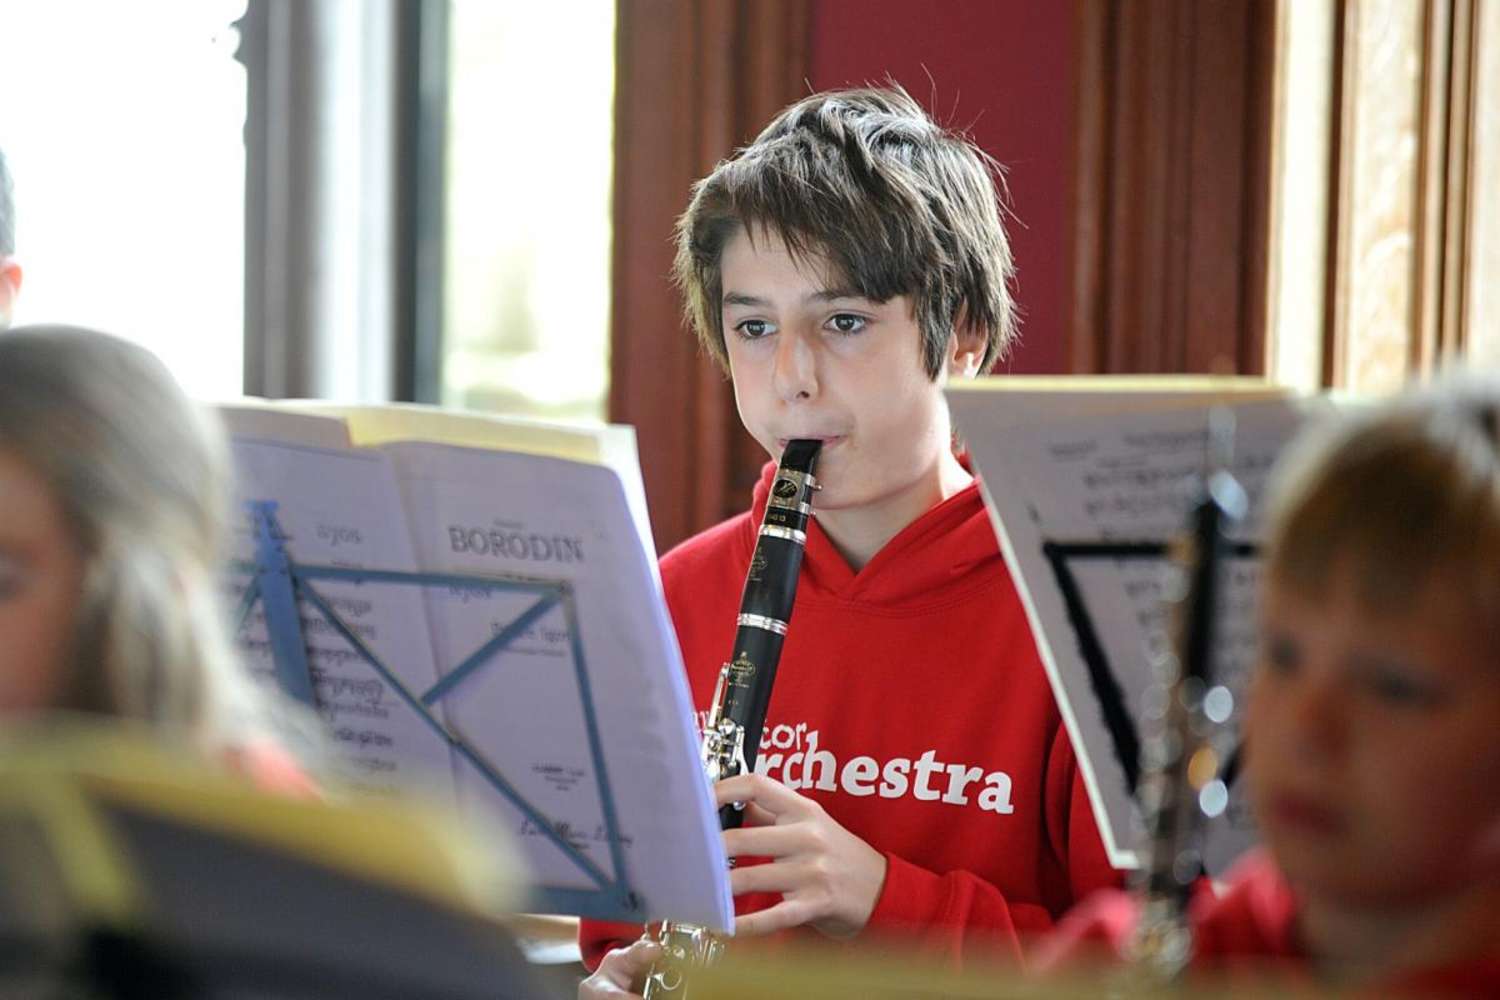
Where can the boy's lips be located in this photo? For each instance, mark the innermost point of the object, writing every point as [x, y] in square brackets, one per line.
[827, 439]
[1305, 814]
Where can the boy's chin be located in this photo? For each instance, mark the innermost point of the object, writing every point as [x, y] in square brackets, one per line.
[1349, 885]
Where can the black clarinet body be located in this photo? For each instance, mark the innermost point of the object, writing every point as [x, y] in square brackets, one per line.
[731, 734]
[766, 606]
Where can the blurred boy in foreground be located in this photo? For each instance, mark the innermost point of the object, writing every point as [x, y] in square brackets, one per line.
[1374, 709]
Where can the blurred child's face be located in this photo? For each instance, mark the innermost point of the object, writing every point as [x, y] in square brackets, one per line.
[814, 361]
[1374, 746]
[10, 287]
[41, 573]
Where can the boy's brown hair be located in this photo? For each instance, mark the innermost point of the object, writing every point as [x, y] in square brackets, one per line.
[1400, 498]
[897, 204]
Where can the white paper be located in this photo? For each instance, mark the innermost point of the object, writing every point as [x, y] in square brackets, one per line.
[1128, 475]
[257, 419]
[447, 509]
[341, 508]
[485, 512]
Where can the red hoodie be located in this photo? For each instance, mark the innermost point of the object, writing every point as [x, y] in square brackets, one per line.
[911, 704]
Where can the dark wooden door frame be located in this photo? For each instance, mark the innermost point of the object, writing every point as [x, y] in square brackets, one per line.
[694, 80]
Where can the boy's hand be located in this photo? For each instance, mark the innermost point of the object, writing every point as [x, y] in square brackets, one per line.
[620, 972]
[827, 876]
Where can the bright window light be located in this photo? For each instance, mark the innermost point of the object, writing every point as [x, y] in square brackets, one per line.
[528, 208]
[122, 123]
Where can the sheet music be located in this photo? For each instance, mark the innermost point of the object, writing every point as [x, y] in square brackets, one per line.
[255, 419]
[478, 511]
[341, 508]
[1121, 476]
[587, 630]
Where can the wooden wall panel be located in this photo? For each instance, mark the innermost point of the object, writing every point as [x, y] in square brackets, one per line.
[1403, 254]
[1481, 335]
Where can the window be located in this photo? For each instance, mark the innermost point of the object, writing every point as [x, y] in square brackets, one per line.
[122, 126]
[530, 141]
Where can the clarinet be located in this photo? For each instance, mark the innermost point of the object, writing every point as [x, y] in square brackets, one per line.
[731, 734]
[1183, 763]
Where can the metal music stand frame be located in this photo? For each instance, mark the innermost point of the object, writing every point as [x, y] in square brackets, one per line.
[1117, 720]
[278, 582]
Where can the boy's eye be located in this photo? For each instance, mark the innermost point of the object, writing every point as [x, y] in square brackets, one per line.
[1396, 687]
[11, 579]
[753, 329]
[1279, 654]
[846, 323]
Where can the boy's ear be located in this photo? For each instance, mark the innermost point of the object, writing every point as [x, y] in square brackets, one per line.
[966, 348]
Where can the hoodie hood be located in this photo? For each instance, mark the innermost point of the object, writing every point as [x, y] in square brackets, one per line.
[943, 556]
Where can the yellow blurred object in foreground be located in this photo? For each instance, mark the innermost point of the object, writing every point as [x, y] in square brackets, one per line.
[125, 867]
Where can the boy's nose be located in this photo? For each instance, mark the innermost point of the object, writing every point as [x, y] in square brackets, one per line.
[1315, 717]
[795, 375]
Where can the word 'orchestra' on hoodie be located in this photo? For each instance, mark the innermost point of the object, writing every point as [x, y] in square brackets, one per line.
[911, 704]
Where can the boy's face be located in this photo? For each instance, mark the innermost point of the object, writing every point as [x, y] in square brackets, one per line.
[1374, 746]
[41, 576]
[812, 360]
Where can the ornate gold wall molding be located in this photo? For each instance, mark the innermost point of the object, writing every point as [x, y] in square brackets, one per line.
[1414, 184]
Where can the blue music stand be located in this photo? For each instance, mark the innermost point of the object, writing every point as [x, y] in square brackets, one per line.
[278, 583]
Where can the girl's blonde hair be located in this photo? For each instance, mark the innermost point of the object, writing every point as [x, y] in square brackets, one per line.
[141, 475]
[1403, 496]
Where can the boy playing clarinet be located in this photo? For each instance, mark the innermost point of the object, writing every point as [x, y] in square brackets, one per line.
[914, 778]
